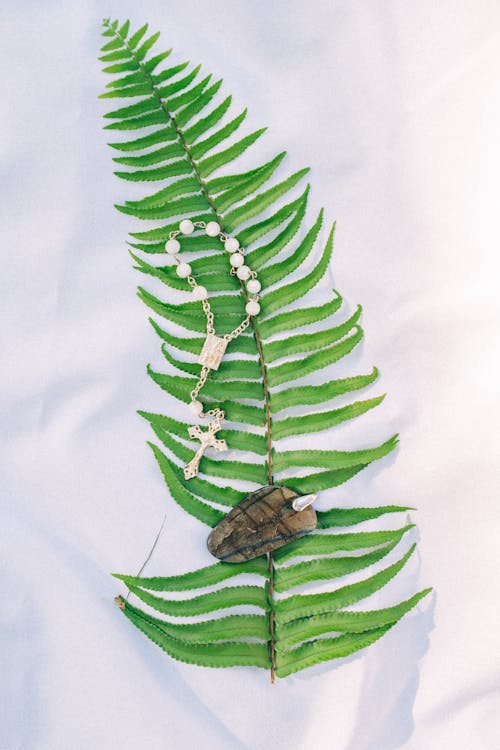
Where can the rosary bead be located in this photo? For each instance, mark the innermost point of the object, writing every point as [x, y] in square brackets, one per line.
[186, 226]
[236, 260]
[172, 246]
[212, 229]
[196, 407]
[183, 270]
[231, 244]
[199, 293]
[243, 273]
[252, 307]
[254, 286]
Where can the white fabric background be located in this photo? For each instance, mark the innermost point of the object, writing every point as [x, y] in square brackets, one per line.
[396, 107]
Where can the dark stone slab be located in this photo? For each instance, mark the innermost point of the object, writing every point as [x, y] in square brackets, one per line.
[262, 522]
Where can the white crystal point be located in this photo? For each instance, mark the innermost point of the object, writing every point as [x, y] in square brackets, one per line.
[212, 228]
[303, 502]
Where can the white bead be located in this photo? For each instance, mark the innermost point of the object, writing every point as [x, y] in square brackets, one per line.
[212, 229]
[186, 226]
[183, 270]
[252, 307]
[231, 244]
[236, 260]
[243, 273]
[172, 246]
[199, 293]
[196, 407]
[254, 286]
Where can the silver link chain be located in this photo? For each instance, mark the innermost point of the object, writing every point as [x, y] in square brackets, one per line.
[217, 413]
[210, 316]
[201, 382]
[234, 334]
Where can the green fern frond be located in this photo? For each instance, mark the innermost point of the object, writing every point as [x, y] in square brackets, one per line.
[179, 137]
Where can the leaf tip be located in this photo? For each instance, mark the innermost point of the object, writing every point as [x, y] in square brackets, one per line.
[153, 447]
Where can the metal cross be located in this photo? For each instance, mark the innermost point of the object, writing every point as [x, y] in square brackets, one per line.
[208, 440]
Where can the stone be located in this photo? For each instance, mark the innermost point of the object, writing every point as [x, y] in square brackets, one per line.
[262, 522]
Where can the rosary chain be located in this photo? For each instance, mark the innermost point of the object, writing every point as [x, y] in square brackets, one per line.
[210, 316]
[201, 382]
[217, 413]
[242, 326]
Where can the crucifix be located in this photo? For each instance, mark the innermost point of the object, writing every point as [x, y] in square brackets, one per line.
[208, 440]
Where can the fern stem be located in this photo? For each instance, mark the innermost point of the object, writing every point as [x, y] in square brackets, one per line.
[267, 405]
[272, 641]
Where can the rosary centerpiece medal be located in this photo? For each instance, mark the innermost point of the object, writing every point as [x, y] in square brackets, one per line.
[273, 515]
[212, 351]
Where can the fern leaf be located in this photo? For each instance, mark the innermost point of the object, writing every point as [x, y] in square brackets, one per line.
[177, 137]
[287, 321]
[325, 649]
[200, 578]
[304, 605]
[232, 596]
[326, 568]
[230, 654]
[343, 621]
[352, 516]
[327, 544]
[322, 420]
[316, 394]
[229, 628]
[332, 459]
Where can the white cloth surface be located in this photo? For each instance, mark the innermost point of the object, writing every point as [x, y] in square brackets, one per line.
[396, 107]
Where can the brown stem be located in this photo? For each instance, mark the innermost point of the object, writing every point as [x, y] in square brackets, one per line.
[258, 341]
[272, 640]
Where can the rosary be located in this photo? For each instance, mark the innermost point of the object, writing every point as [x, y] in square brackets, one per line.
[279, 514]
[214, 347]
